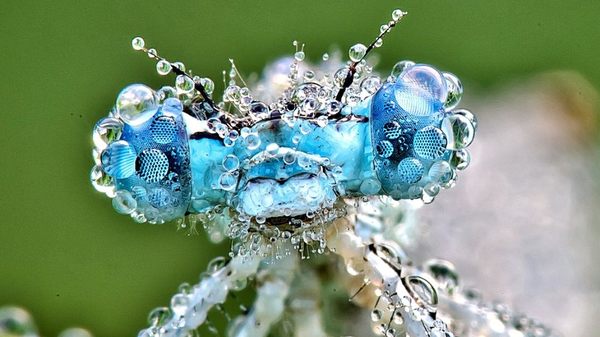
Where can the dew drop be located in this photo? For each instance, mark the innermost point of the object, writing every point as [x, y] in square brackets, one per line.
[135, 104]
[397, 14]
[325, 57]
[138, 43]
[184, 84]
[357, 52]
[163, 67]
[299, 56]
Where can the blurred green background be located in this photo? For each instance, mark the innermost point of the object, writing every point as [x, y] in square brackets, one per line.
[65, 255]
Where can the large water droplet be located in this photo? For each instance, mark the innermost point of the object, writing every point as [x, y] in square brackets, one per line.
[163, 67]
[136, 104]
[231, 163]
[357, 52]
[459, 131]
[184, 84]
[427, 80]
[107, 130]
[455, 91]
[400, 67]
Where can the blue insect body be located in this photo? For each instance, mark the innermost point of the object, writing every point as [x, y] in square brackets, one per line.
[288, 163]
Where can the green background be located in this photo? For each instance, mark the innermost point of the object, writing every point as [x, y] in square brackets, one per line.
[65, 255]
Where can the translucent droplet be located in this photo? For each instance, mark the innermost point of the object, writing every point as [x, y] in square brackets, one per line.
[289, 158]
[459, 131]
[15, 321]
[397, 14]
[227, 181]
[400, 67]
[455, 91]
[427, 80]
[231, 163]
[159, 316]
[151, 53]
[340, 76]
[252, 141]
[370, 84]
[163, 67]
[357, 52]
[136, 104]
[259, 110]
[468, 114]
[123, 202]
[370, 186]
[444, 273]
[460, 159]
[179, 65]
[376, 315]
[184, 84]
[75, 332]
[165, 93]
[299, 56]
[325, 57]
[440, 172]
[179, 304]
[101, 181]
[138, 43]
[208, 85]
[107, 130]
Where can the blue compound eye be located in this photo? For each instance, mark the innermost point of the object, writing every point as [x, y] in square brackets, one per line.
[145, 153]
[414, 133]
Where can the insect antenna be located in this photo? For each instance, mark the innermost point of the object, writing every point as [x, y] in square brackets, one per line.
[397, 15]
[164, 66]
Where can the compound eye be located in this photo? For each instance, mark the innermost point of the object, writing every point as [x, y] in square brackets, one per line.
[144, 155]
[415, 136]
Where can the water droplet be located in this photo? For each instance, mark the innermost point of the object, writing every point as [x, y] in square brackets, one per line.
[152, 53]
[106, 131]
[252, 141]
[469, 115]
[397, 14]
[231, 163]
[163, 67]
[299, 56]
[159, 316]
[15, 321]
[400, 67]
[184, 84]
[138, 43]
[208, 84]
[455, 91]
[460, 159]
[357, 52]
[370, 84]
[101, 181]
[340, 76]
[136, 104]
[179, 304]
[227, 181]
[458, 130]
[325, 57]
[259, 110]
